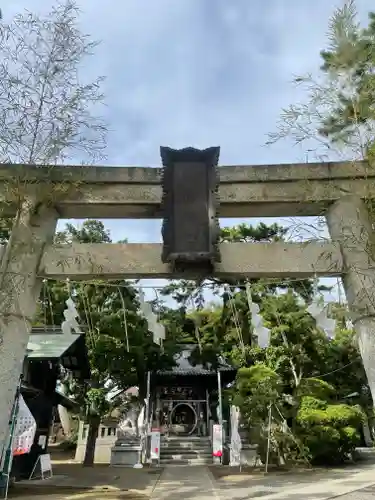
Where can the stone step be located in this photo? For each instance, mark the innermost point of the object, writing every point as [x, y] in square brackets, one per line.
[176, 450]
[185, 446]
[183, 462]
[185, 456]
[185, 438]
[185, 443]
[185, 452]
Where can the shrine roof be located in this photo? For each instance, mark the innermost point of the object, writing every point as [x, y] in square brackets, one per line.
[51, 344]
[184, 366]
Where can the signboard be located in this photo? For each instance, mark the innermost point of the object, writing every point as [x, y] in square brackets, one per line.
[25, 429]
[155, 445]
[45, 463]
[42, 468]
[217, 441]
[42, 441]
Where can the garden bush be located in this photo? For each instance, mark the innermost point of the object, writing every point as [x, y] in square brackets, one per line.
[329, 431]
[316, 388]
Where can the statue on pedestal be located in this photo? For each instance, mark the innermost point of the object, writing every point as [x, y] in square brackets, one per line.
[127, 427]
[129, 445]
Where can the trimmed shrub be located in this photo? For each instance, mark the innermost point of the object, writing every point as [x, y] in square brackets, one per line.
[316, 388]
[329, 431]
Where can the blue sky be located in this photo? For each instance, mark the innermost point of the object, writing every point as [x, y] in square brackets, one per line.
[198, 73]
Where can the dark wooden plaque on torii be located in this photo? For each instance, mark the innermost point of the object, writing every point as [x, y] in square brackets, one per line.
[190, 205]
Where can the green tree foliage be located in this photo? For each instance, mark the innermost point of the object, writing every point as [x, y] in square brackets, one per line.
[258, 393]
[325, 430]
[227, 329]
[337, 114]
[346, 371]
[257, 388]
[351, 54]
[121, 349]
[300, 361]
[329, 431]
[308, 365]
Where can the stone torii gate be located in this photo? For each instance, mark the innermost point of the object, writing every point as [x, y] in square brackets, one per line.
[42, 195]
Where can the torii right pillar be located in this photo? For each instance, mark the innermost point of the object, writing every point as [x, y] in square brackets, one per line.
[350, 226]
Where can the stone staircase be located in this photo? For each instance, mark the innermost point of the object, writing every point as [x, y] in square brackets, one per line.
[185, 450]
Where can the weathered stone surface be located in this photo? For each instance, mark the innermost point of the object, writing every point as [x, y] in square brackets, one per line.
[190, 228]
[228, 174]
[19, 292]
[350, 227]
[116, 261]
[245, 191]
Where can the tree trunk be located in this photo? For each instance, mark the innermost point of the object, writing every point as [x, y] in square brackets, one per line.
[94, 422]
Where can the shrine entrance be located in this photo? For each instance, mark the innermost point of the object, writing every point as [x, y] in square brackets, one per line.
[184, 400]
[190, 195]
[182, 416]
[183, 419]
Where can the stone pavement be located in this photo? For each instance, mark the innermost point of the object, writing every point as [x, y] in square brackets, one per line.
[197, 483]
[309, 485]
[74, 482]
[362, 494]
[185, 483]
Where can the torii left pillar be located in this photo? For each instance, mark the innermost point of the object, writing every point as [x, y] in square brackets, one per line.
[19, 292]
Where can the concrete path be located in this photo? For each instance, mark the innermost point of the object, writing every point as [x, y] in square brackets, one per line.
[198, 483]
[185, 483]
[347, 483]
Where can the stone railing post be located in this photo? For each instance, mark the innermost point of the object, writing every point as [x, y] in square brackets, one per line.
[19, 292]
[350, 226]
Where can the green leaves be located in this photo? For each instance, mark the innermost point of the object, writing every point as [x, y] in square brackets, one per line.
[330, 431]
[120, 347]
[350, 59]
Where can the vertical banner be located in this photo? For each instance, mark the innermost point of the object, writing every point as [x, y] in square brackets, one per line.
[235, 438]
[217, 441]
[220, 406]
[155, 445]
[25, 429]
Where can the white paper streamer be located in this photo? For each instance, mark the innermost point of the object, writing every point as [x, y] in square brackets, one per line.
[157, 329]
[319, 311]
[262, 333]
[70, 314]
